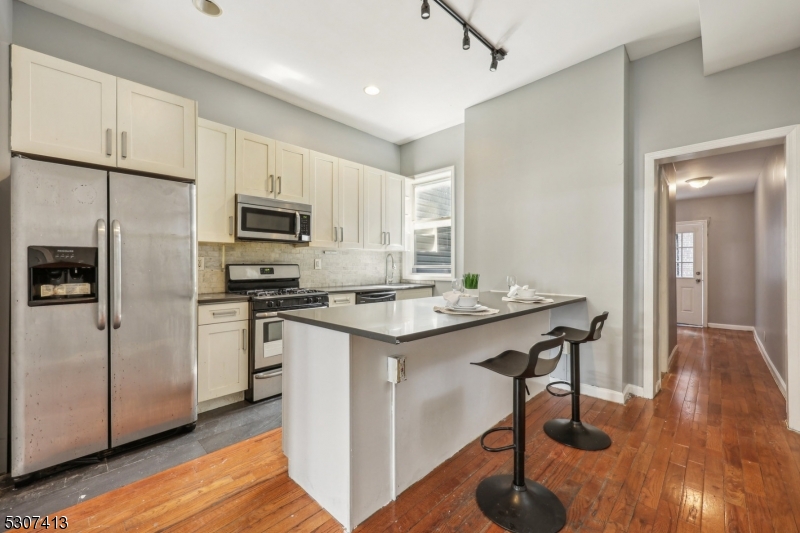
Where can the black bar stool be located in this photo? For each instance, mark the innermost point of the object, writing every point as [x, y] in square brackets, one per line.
[513, 502]
[575, 433]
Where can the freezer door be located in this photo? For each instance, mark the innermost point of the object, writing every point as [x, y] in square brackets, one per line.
[59, 353]
[153, 306]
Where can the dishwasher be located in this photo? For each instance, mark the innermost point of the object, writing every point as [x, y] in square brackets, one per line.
[374, 297]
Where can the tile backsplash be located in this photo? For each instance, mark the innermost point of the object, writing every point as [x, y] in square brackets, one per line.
[339, 267]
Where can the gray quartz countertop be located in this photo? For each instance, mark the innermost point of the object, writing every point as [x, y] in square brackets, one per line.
[220, 298]
[384, 287]
[410, 320]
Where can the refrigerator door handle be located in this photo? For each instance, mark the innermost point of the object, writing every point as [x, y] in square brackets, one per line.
[116, 259]
[102, 269]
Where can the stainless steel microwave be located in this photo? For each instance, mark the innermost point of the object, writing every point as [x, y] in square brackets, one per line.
[266, 219]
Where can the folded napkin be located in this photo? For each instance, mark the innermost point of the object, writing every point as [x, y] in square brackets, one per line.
[482, 312]
[451, 297]
[514, 289]
[541, 301]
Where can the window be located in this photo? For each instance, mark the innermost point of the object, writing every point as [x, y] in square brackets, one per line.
[429, 222]
[684, 255]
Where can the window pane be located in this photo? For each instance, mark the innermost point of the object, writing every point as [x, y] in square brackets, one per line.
[687, 270]
[688, 239]
[687, 254]
[432, 200]
[432, 250]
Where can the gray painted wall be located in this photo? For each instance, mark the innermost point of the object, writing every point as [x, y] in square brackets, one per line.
[544, 192]
[6, 19]
[439, 150]
[673, 104]
[219, 99]
[770, 269]
[731, 269]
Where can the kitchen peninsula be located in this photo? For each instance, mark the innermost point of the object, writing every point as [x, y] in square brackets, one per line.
[355, 440]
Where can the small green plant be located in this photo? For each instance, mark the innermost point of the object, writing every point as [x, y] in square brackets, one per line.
[471, 281]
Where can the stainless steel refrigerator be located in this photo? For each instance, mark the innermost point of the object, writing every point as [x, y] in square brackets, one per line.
[103, 310]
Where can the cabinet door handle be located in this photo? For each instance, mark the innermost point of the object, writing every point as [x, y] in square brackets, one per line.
[341, 238]
[341, 300]
[279, 184]
[230, 225]
[335, 234]
[271, 183]
[244, 340]
[230, 312]
[124, 148]
[109, 140]
[389, 238]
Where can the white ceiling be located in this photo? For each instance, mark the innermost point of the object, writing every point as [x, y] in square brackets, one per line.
[320, 54]
[734, 173]
[736, 32]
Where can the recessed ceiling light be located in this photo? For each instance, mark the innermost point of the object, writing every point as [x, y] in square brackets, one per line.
[371, 90]
[207, 7]
[697, 183]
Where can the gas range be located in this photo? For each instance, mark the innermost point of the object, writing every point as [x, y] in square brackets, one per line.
[273, 287]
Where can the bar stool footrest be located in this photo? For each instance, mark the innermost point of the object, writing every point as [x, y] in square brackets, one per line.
[560, 394]
[501, 449]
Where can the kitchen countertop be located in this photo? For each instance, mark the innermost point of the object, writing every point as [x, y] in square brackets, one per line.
[410, 320]
[380, 287]
[220, 298]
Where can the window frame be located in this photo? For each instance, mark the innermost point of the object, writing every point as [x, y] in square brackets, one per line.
[410, 224]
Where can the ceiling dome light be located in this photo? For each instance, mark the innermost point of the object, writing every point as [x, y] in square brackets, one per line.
[371, 90]
[465, 41]
[426, 10]
[698, 183]
[207, 7]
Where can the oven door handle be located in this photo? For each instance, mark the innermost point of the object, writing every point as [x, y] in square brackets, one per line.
[265, 315]
[267, 375]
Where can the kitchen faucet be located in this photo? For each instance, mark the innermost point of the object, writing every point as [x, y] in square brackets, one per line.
[389, 273]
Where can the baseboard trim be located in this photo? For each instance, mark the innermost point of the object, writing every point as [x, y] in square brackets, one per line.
[596, 392]
[731, 326]
[772, 370]
[632, 390]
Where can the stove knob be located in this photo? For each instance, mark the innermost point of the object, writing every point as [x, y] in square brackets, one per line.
[317, 299]
[279, 303]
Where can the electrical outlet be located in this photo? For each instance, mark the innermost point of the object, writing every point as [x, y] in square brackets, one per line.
[201, 263]
[317, 264]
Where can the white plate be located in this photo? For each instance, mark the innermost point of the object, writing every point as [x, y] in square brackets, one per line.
[465, 307]
[467, 310]
[534, 299]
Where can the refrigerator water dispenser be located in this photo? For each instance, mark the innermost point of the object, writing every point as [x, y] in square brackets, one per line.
[61, 275]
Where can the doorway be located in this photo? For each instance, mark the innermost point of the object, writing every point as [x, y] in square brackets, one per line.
[690, 273]
[657, 284]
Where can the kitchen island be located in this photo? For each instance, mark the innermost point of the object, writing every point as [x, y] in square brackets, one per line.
[355, 440]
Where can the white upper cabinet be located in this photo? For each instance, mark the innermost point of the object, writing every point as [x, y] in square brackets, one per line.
[324, 200]
[216, 182]
[255, 165]
[156, 130]
[393, 211]
[292, 182]
[374, 234]
[351, 205]
[62, 110]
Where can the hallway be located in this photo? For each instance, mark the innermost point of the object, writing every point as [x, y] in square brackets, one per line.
[711, 453]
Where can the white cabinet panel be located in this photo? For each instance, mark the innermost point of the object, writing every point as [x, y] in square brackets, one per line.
[341, 299]
[374, 236]
[255, 165]
[216, 181]
[393, 211]
[324, 200]
[292, 173]
[224, 312]
[156, 131]
[62, 110]
[351, 205]
[221, 359]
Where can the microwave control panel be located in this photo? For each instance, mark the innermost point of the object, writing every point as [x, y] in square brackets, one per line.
[305, 228]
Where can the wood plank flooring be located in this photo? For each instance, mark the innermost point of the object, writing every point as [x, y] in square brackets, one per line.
[711, 453]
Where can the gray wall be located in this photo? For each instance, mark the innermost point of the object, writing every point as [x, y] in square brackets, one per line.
[673, 104]
[544, 197]
[5, 224]
[219, 99]
[770, 230]
[439, 150]
[731, 269]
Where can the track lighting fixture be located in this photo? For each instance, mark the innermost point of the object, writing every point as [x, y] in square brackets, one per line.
[498, 54]
[426, 10]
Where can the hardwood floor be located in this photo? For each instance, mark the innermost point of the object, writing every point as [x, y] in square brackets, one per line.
[711, 453]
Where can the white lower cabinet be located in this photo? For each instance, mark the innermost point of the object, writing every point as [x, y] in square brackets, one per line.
[341, 299]
[221, 359]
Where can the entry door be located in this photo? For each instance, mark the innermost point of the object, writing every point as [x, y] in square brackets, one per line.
[690, 270]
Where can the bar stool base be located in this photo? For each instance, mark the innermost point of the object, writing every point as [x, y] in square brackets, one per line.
[536, 510]
[577, 435]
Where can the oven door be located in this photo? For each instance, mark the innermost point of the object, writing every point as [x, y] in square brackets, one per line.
[267, 342]
[258, 222]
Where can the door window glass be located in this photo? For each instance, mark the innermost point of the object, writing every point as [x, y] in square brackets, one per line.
[684, 255]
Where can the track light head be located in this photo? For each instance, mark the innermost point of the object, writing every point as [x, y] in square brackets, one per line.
[426, 10]
[465, 40]
[493, 66]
